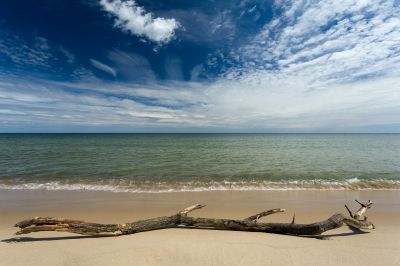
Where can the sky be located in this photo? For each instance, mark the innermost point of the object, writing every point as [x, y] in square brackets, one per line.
[199, 66]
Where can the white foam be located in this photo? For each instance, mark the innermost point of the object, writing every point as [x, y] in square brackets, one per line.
[353, 180]
[251, 185]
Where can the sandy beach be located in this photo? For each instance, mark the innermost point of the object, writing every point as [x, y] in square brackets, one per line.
[197, 247]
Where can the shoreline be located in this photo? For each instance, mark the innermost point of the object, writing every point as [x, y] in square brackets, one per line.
[198, 247]
[205, 186]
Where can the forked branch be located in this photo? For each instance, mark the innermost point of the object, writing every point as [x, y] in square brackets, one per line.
[182, 219]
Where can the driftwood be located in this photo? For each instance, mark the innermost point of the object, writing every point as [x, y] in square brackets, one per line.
[182, 219]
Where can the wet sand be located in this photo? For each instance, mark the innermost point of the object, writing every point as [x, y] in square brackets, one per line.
[198, 247]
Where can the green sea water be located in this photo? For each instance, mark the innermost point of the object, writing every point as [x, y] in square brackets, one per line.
[198, 162]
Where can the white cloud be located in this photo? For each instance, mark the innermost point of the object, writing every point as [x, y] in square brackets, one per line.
[32, 52]
[97, 104]
[69, 56]
[131, 66]
[322, 65]
[335, 37]
[134, 19]
[103, 67]
[21, 53]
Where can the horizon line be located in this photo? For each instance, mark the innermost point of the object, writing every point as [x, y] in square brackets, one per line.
[288, 133]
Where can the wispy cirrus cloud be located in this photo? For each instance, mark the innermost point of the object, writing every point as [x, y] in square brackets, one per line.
[96, 103]
[30, 53]
[316, 66]
[34, 53]
[135, 20]
[103, 67]
[344, 41]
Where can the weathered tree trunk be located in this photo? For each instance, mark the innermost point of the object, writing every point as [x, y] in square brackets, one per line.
[182, 219]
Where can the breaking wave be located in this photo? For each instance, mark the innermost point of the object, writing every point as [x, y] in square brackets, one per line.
[199, 186]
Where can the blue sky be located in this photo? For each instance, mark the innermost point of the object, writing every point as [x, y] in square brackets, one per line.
[199, 66]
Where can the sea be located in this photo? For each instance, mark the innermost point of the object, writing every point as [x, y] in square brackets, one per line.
[160, 163]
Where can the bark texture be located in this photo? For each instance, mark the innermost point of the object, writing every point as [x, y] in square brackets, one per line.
[181, 219]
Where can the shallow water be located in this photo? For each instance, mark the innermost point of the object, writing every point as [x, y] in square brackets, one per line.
[196, 162]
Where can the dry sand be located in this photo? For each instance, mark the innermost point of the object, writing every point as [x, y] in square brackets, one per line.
[198, 247]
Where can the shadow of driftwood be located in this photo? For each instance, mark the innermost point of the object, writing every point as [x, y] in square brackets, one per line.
[346, 234]
[33, 239]
[355, 231]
